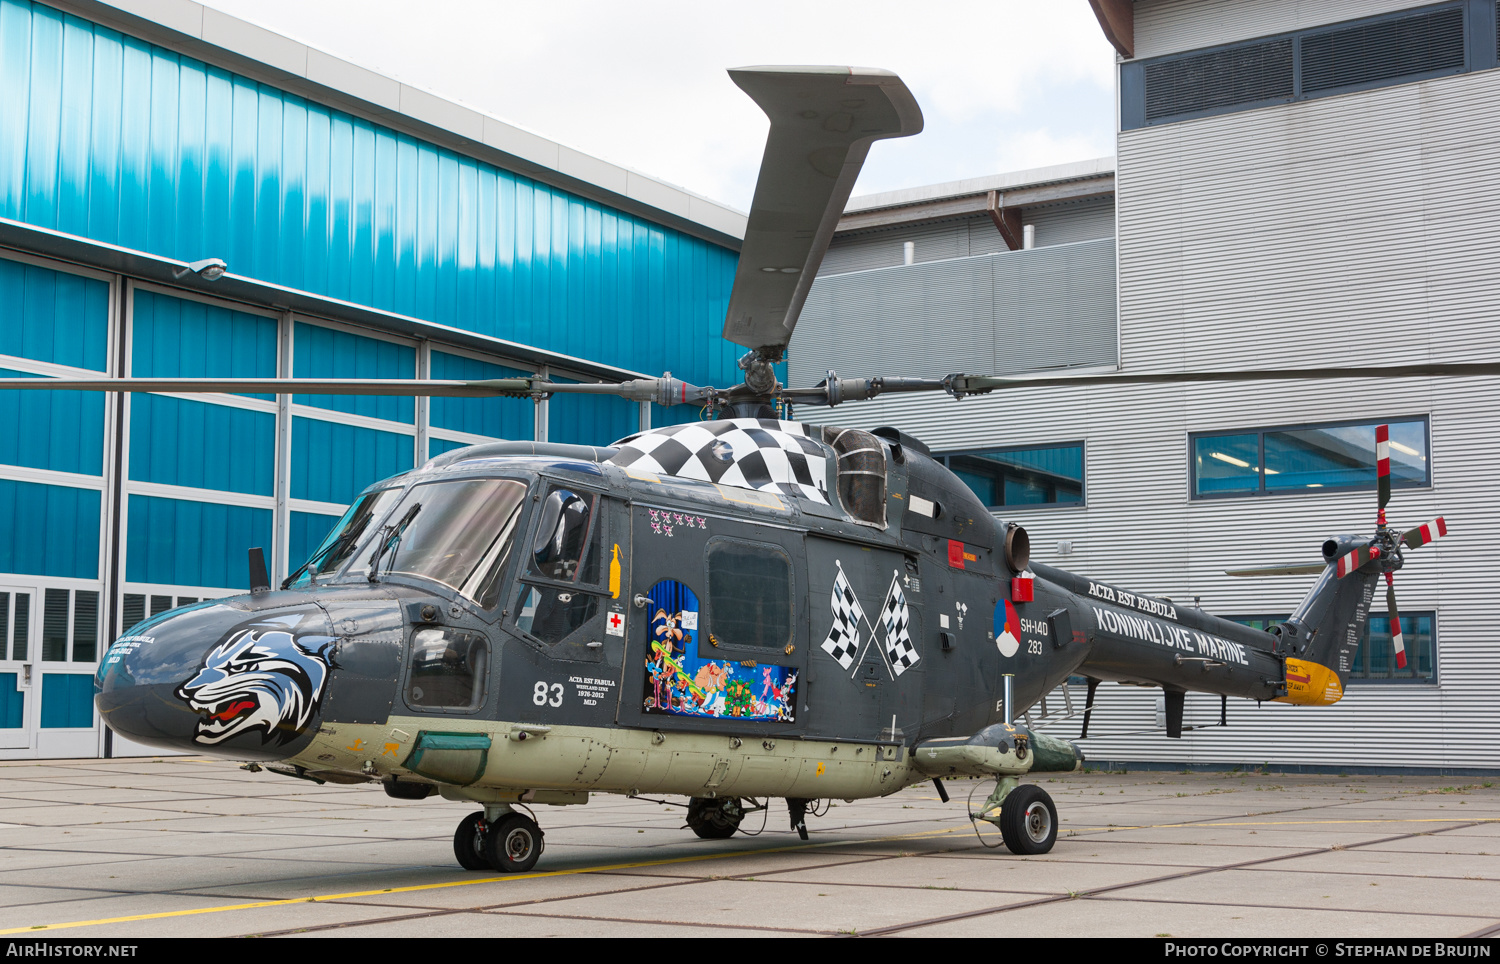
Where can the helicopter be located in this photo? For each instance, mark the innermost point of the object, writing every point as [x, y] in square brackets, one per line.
[730, 610]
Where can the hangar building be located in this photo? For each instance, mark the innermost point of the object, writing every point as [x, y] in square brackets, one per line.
[370, 228]
[1296, 184]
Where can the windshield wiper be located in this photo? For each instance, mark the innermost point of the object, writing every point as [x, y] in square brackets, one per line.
[391, 539]
[336, 547]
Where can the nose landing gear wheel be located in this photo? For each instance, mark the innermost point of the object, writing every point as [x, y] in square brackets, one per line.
[513, 844]
[1028, 821]
[714, 819]
[468, 842]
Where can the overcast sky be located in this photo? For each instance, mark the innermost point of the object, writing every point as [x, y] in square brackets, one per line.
[1004, 85]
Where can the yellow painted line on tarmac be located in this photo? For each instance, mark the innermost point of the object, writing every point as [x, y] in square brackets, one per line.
[692, 858]
[1284, 823]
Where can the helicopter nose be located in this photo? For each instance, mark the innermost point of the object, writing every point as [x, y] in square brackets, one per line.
[219, 679]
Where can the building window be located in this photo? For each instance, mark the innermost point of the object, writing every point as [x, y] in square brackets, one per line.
[1305, 458]
[1049, 475]
[1380, 51]
[1375, 660]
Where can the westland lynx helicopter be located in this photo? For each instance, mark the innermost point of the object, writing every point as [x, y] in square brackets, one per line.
[729, 611]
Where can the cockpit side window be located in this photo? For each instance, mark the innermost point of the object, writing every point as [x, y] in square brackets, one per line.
[557, 549]
[560, 594]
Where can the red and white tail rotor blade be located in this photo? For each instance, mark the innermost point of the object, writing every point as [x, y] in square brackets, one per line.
[1352, 561]
[1423, 534]
[1397, 643]
[1382, 469]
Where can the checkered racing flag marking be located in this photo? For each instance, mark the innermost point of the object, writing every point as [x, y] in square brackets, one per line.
[745, 453]
[843, 637]
[899, 649]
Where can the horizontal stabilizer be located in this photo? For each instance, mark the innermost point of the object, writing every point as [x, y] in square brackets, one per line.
[1285, 569]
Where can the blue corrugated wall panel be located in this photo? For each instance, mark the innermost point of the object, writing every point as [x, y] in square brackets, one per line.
[51, 316]
[179, 543]
[108, 137]
[179, 442]
[180, 338]
[49, 530]
[67, 700]
[590, 419]
[61, 431]
[437, 446]
[332, 462]
[306, 531]
[508, 418]
[319, 352]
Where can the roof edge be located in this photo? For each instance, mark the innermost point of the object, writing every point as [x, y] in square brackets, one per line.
[222, 40]
[979, 185]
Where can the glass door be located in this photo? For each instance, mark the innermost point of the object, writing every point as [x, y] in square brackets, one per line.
[18, 644]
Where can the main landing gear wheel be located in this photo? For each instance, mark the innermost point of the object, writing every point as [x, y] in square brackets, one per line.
[513, 844]
[1028, 820]
[468, 842]
[714, 819]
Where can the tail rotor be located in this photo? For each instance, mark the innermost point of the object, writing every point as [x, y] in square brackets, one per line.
[1385, 548]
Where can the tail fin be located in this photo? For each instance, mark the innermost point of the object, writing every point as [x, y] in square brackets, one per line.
[1321, 637]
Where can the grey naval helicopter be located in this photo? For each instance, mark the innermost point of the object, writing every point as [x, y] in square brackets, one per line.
[730, 611]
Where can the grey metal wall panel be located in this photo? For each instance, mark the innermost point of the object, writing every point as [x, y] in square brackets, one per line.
[990, 314]
[1171, 26]
[884, 249]
[1359, 227]
[1065, 224]
[1089, 220]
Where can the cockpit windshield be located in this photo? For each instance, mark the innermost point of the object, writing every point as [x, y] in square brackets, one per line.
[345, 538]
[457, 533]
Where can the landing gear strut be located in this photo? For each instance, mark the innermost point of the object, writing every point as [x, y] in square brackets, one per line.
[498, 839]
[797, 806]
[1025, 814]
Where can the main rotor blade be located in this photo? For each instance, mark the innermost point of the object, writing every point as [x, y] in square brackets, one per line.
[974, 384]
[280, 386]
[662, 391]
[823, 121]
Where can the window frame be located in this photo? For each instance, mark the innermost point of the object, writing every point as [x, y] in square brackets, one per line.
[1262, 492]
[524, 577]
[945, 459]
[1347, 678]
[708, 610]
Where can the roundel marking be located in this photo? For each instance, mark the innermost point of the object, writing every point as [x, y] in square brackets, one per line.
[1007, 628]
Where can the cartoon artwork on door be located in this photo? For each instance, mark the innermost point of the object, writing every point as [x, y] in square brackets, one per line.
[681, 682]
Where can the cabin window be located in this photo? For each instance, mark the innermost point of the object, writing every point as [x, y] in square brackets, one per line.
[1306, 458]
[1041, 475]
[1375, 660]
[749, 596]
[447, 669]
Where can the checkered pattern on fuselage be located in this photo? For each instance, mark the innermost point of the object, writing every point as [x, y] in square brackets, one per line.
[746, 453]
